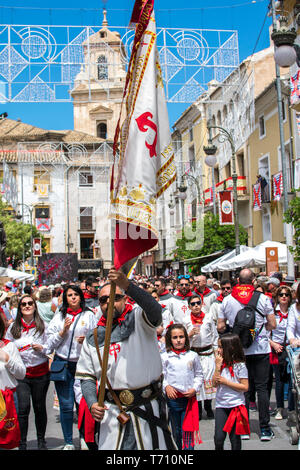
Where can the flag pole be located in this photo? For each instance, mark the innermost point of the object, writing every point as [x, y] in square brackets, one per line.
[109, 321]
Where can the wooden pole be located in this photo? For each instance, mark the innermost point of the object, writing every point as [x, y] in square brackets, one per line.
[109, 321]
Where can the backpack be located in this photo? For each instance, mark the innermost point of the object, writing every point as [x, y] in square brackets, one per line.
[244, 323]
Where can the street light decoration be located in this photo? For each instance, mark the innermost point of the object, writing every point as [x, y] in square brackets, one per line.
[286, 52]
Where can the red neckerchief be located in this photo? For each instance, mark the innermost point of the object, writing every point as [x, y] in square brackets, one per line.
[269, 294]
[189, 294]
[220, 298]
[27, 327]
[120, 319]
[242, 293]
[178, 351]
[238, 415]
[89, 295]
[73, 312]
[205, 292]
[197, 319]
[165, 292]
[281, 315]
[230, 368]
[5, 341]
[163, 306]
[130, 301]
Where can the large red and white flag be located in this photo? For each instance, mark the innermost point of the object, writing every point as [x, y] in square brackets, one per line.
[146, 166]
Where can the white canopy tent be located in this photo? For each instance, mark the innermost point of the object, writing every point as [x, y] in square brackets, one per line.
[254, 257]
[214, 265]
[13, 274]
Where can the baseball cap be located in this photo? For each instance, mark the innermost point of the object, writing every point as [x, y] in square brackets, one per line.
[273, 280]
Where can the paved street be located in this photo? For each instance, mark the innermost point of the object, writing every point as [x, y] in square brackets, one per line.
[281, 442]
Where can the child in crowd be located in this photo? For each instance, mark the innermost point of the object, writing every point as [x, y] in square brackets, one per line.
[231, 380]
[183, 378]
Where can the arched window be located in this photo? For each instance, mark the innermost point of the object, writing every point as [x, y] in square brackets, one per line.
[102, 68]
[102, 130]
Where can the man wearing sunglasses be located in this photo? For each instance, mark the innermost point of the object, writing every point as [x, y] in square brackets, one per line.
[215, 306]
[209, 296]
[134, 371]
[91, 293]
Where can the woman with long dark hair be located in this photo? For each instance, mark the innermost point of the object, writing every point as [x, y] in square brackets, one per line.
[66, 333]
[28, 332]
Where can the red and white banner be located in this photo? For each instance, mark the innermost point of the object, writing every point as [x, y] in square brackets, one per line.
[277, 186]
[37, 247]
[146, 165]
[43, 225]
[257, 197]
[226, 207]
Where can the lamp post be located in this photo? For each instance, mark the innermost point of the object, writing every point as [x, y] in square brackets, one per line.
[30, 210]
[210, 149]
[285, 55]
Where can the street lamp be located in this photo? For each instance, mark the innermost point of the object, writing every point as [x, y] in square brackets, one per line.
[279, 40]
[19, 216]
[211, 150]
[286, 52]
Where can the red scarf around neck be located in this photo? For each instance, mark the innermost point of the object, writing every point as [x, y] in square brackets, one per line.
[189, 294]
[242, 293]
[165, 292]
[230, 368]
[178, 351]
[220, 298]
[205, 292]
[26, 326]
[89, 295]
[119, 320]
[197, 319]
[281, 315]
[73, 312]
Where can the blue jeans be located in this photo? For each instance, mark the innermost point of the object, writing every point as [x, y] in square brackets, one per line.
[177, 410]
[66, 398]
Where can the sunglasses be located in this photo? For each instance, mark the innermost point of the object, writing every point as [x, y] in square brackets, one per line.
[29, 303]
[195, 303]
[184, 285]
[104, 298]
[226, 288]
[284, 295]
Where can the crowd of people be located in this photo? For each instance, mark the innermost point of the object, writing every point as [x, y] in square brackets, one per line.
[174, 354]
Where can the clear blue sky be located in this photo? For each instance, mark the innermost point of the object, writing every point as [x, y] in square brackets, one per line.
[246, 16]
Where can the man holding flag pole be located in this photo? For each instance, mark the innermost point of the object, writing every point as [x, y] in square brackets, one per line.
[122, 354]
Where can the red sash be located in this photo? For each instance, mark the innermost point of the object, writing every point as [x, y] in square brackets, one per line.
[86, 420]
[37, 371]
[238, 415]
[242, 293]
[10, 434]
[190, 425]
[128, 308]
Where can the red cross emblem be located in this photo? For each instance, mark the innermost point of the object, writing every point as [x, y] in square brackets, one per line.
[184, 308]
[144, 123]
[114, 350]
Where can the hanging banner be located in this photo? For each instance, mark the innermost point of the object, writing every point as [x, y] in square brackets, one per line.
[43, 225]
[277, 186]
[295, 88]
[271, 260]
[257, 197]
[37, 247]
[226, 207]
[297, 174]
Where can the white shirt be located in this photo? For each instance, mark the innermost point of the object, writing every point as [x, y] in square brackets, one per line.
[208, 334]
[226, 397]
[180, 308]
[228, 311]
[293, 325]
[13, 370]
[30, 357]
[86, 323]
[279, 334]
[182, 371]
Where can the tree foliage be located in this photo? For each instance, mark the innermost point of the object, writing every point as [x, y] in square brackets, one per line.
[18, 235]
[216, 237]
[292, 216]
